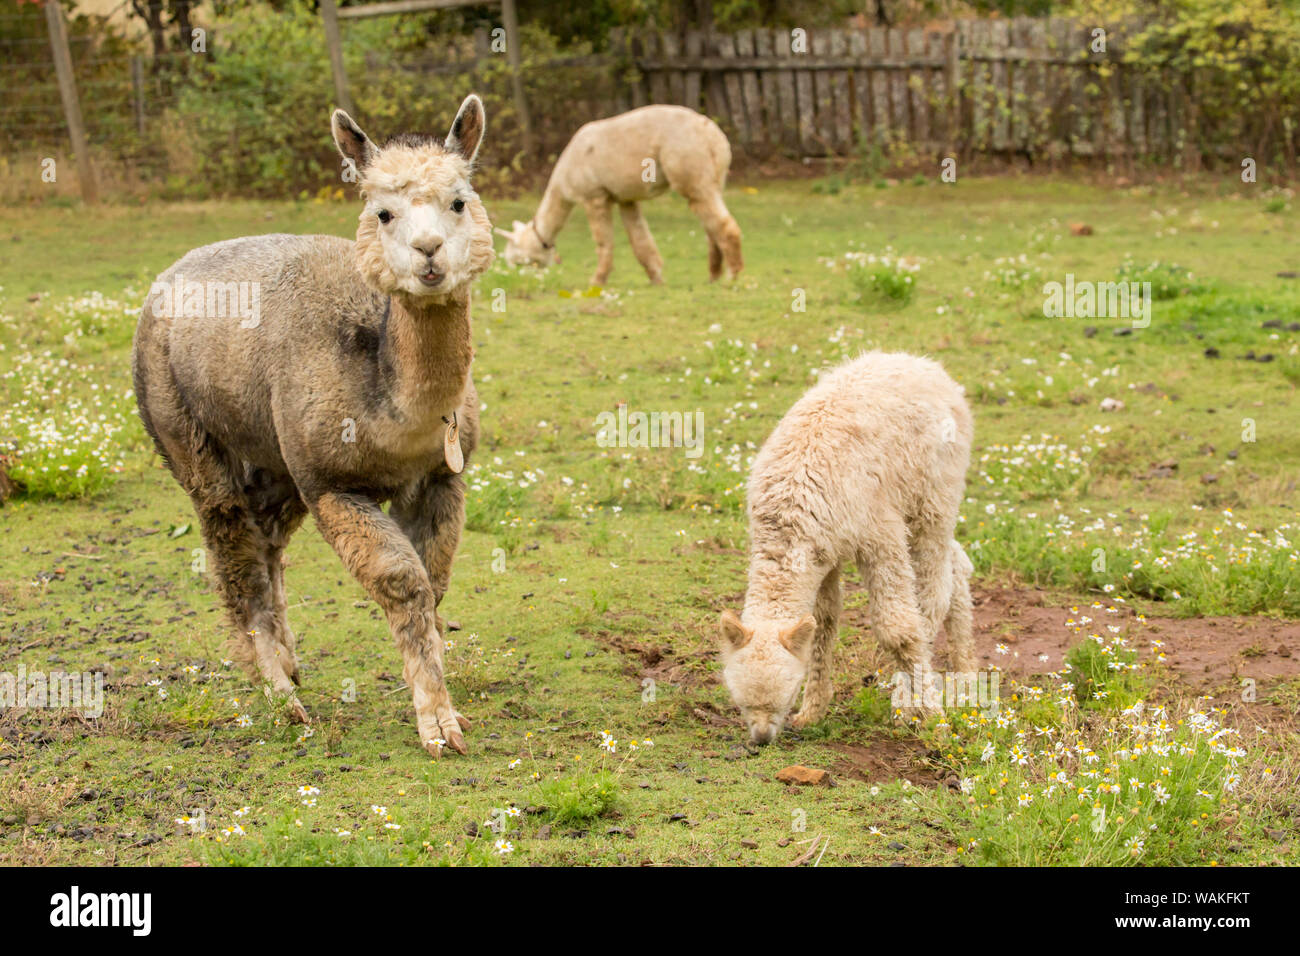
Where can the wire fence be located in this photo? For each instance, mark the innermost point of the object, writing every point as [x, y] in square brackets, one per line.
[251, 117]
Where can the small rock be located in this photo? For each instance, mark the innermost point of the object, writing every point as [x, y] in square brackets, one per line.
[1080, 229]
[544, 832]
[749, 844]
[804, 776]
[1209, 478]
[1211, 352]
[896, 846]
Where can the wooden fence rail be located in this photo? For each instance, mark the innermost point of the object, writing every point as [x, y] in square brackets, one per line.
[1019, 85]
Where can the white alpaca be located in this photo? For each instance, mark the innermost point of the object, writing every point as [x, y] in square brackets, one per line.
[869, 466]
[621, 161]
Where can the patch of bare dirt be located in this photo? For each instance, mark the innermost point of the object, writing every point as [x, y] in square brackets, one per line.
[656, 660]
[885, 760]
[1205, 652]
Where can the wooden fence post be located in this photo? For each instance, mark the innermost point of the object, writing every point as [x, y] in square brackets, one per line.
[510, 20]
[329, 14]
[137, 93]
[71, 105]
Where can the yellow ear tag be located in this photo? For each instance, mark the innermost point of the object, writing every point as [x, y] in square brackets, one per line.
[451, 446]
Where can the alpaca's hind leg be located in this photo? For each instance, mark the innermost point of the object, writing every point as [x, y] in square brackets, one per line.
[601, 219]
[960, 623]
[284, 634]
[382, 559]
[932, 564]
[819, 689]
[722, 229]
[278, 512]
[240, 567]
[897, 621]
[715, 259]
[643, 244]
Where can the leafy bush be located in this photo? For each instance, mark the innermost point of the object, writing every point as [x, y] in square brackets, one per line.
[1236, 64]
[254, 116]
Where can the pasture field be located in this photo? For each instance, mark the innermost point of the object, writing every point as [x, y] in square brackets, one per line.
[1154, 545]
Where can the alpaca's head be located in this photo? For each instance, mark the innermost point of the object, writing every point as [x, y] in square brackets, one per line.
[763, 667]
[423, 231]
[524, 246]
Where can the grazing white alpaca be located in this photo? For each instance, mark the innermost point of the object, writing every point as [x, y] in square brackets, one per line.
[869, 466]
[621, 161]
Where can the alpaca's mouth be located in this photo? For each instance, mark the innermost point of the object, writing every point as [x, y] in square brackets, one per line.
[432, 278]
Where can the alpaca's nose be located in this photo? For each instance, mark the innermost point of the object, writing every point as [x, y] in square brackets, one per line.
[762, 733]
[427, 246]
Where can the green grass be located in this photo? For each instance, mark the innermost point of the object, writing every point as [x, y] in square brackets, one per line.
[580, 562]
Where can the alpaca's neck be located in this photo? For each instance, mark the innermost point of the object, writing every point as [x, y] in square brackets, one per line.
[779, 589]
[551, 213]
[430, 347]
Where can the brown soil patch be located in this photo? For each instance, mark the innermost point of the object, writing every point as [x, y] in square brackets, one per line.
[1207, 653]
[1204, 653]
[885, 760]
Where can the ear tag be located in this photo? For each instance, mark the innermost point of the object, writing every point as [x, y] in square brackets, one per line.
[451, 445]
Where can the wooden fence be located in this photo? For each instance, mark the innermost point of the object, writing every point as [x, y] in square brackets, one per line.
[1020, 85]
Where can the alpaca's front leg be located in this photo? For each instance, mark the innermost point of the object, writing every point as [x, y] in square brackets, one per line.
[384, 561]
[601, 219]
[819, 689]
[431, 513]
[643, 244]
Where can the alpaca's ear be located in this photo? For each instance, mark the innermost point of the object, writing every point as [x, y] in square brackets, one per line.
[796, 639]
[734, 634]
[520, 226]
[467, 129]
[354, 144]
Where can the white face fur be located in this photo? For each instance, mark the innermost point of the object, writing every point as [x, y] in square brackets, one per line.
[524, 246]
[423, 230]
[426, 235]
[764, 667]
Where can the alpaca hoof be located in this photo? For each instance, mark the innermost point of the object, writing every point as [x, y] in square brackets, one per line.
[298, 712]
[463, 721]
[802, 720]
[454, 741]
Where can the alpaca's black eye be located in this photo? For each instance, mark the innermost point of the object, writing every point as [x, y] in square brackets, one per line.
[385, 215]
[458, 205]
